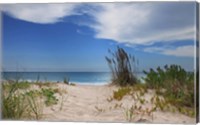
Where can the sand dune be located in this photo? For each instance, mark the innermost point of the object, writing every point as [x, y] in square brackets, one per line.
[89, 104]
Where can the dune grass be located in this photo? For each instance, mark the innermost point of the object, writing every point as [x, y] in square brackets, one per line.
[120, 93]
[17, 85]
[17, 106]
[123, 67]
[66, 80]
[72, 84]
[50, 97]
[21, 103]
[171, 82]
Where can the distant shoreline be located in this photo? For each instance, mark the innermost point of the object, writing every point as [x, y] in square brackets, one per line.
[82, 78]
[74, 77]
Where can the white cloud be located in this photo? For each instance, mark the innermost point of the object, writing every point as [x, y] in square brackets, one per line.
[187, 51]
[155, 49]
[182, 51]
[133, 23]
[129, 23]
[39, 13]
[145, 23]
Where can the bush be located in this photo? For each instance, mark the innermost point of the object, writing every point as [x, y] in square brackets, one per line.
[177, 83]
[121, 92]
[123, 67]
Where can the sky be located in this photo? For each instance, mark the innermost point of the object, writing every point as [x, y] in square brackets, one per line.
[76, 37]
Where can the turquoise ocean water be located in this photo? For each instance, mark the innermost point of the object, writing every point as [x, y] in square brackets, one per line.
[84, 78]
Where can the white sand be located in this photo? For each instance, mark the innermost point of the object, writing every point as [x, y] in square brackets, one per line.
[89, 104]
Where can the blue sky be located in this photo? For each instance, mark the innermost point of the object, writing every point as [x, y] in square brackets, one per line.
[76, 37]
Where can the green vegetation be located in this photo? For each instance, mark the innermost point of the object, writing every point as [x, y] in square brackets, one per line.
[160, 104]
[141, 88]
[123, 67]
[172, 82]
[19, 103]
[47, 93]
[138, 89]
[120, 93]
[175, 85]
[50, 97]
[46, 84]
[17, 85]
[72, 84]
[129, 114]
[19, 106]
[139, 110]
[66, 80]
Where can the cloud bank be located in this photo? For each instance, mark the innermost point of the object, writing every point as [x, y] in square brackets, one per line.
[128, 23]
[145, 23]
[40, 13]
[182, 51]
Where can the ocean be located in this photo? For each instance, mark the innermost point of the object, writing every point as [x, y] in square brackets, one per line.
[83, 78]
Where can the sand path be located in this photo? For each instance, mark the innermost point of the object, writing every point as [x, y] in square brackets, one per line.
[89, 104]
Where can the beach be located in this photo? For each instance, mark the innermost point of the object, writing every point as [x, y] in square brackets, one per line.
[90, 103]
[100, 62]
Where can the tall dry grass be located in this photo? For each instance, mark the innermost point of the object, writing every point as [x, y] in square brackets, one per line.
[123, 67]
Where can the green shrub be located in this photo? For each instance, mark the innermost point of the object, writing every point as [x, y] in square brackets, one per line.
[177, 83]
[50, 97]
[121, 92]
[123, 67]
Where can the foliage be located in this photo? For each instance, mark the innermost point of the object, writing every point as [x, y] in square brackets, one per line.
[129, 113]
[137, 110]
[19, 103]
[66, 80]
[142, 88]
[19, 106]
[121, 92]
[160, 103]
[123, 67]
[50, 97]
[17, 85]
[45, 84]
[178, 85]
[48, 93]
[72, 84]
[36, 106]
[13, 107]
